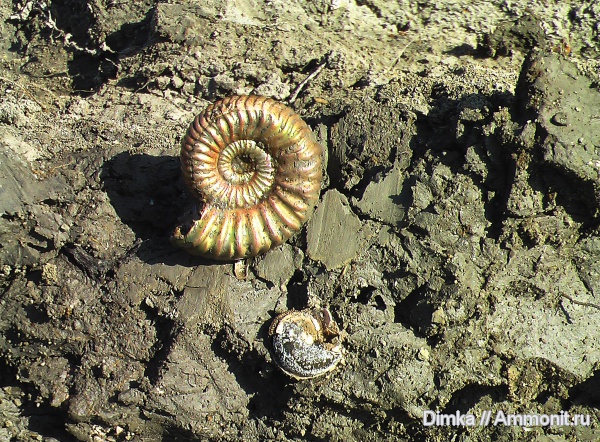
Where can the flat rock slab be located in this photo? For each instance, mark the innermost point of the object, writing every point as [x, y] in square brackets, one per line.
[383, 200]
[279, 265]
[18, 184]
[333, 232]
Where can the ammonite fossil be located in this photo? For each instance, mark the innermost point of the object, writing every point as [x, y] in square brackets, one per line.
[255, 167]
[305, 343]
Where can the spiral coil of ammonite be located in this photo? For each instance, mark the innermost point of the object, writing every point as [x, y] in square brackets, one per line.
[255, 166]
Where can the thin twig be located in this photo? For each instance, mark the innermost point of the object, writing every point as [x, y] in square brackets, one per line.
[585, 304]
[397, 60]
[304, 82]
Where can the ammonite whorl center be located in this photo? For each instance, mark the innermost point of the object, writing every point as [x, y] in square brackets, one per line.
[247, 171]
[256, 168]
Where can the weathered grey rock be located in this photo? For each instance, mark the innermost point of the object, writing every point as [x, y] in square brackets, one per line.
[567, 104]
[374, 134]
[17, 184]
[588, 263]
[279, 265]
[523, 200]
[384, 200]
[177, 22]
[333, 231]
[205, 298]
[404, 380]
[193, 397]
[527, 324]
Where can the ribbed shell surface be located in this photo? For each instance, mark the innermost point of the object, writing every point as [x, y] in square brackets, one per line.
[256, 167]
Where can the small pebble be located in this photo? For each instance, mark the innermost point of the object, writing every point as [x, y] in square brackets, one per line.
[423, 354]
[560, 119]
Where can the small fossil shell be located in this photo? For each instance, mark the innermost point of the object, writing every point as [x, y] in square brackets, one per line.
[305, 343]
[256, 168]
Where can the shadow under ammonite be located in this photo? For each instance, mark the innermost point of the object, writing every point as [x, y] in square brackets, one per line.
[149, 196]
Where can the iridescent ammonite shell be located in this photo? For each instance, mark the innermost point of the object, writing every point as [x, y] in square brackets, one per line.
[305, 343]
[256, 168]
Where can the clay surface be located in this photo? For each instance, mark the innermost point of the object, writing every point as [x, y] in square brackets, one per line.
[456, 241]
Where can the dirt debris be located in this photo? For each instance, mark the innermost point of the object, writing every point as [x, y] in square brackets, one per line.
[456, 240]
